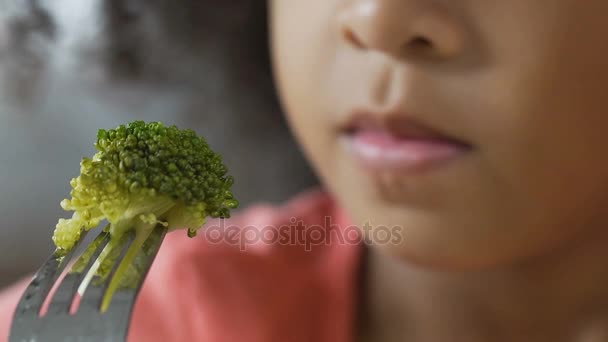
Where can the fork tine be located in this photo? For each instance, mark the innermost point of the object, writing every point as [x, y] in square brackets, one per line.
[124, 298]
[146, 256]
[150, 250]
[93, 293]
[89, 323]
[64, 296]
[40, 286]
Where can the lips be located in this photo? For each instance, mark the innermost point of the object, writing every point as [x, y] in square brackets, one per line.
[400, 143]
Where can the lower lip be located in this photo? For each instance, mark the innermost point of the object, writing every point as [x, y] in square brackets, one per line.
[381, 150]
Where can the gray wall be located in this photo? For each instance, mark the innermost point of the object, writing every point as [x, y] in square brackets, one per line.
[69, 67]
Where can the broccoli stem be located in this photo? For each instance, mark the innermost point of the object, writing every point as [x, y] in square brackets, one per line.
[142, 232]
[93, 270]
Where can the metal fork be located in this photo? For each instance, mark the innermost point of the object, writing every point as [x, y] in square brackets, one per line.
[88, 323]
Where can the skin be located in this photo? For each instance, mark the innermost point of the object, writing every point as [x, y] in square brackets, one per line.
[499, 236]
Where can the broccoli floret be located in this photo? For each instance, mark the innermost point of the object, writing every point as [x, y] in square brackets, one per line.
[143, 175]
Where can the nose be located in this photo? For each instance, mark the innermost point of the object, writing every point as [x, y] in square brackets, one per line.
[401, 28]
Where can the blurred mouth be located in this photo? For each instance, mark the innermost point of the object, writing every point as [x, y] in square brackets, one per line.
[400, 144]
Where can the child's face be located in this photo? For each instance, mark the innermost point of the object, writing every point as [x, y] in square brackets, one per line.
[522, 82]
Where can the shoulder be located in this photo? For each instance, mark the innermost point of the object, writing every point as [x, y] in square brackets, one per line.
[199, 287]
[8, 302]
[203, 290]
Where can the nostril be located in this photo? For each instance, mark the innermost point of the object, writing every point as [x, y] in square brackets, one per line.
[419, 42]
[352, 38]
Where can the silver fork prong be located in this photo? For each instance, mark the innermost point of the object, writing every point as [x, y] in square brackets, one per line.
[93, 294]
[150, 250]
[123, 300]
[65, 294]
[89, 323]
[42, 283]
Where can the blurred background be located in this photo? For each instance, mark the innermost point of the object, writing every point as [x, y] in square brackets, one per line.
[70, 67]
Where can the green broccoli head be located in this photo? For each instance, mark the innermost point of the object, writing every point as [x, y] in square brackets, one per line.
[146, 174]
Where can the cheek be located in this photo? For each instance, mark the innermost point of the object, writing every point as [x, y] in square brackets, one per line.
[302, 46]
[550, 130]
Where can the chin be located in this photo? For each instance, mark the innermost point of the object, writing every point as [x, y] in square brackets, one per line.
[431, 260]
[443, 248]
[434, 254]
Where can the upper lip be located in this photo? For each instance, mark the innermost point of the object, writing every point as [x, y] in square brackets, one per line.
[400, 124]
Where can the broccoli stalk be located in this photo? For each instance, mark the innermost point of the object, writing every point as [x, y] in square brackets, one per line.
[144, 175]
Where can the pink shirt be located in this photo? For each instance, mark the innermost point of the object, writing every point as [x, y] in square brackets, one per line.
[217, 287]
